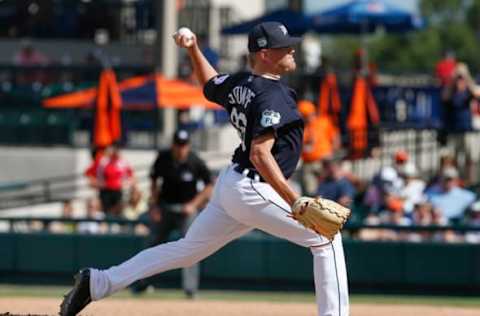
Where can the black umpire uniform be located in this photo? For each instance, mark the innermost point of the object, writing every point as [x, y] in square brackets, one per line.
[181, 181]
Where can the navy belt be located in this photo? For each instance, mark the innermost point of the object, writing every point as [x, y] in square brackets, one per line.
[249, 173]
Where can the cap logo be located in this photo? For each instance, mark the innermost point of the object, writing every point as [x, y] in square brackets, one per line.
[262, 42]
[283, 29]
[183, 135]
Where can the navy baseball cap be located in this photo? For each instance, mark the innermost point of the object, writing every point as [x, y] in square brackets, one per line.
[270, 35]
[181, 137]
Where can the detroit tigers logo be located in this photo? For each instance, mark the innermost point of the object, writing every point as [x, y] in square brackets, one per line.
[283, 29]
[270, 118]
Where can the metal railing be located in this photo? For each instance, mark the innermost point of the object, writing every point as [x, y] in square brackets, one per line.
[54, 189]
[349, 227]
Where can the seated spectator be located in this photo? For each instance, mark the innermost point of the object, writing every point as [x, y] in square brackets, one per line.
[137, 208]
[400, 159]
[370, 233]
[473, 220]
[439, 219]
[29, 55]
[384, 190]
[394, 216]
[422, 215]
[449, 198]
[413, 187]
[92, 206]
[425, 215]
[393, 212]
[64, 227]
[334, 185]
[136, 205]
[446, 161]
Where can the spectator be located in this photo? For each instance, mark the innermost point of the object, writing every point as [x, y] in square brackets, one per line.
[62, 227]
[371, 219]
[320, 140]
[92, 207]
[397, 218]
[446, 161]
[439, 219]
[110, 174]
[334, 185]
[459, 98]
[422, 215]
[473, 220]
[186, 186]
[394, 214]
[445, 68]
[96, 155]
[383, 192]
[137, 208]
[412, 189]
[449, 198]
[400, 159]
[136, 204]
[29, 55]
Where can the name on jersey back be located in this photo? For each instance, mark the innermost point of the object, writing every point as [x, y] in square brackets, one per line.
[241, 95]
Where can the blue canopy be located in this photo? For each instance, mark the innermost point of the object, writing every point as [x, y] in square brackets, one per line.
[364, 16]
[297, 23]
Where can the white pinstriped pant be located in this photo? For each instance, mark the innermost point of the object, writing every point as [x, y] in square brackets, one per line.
[238, 205]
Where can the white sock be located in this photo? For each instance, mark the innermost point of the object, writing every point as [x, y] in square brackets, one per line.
[99, 285]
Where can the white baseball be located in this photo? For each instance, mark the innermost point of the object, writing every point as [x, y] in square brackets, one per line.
[186, 33]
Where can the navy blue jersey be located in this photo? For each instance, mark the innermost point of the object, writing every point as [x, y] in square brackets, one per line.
[256, 106]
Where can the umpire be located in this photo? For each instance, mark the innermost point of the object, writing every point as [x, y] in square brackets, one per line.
[181, 184]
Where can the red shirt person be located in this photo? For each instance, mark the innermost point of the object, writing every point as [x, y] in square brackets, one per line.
[110, 173]
[445, 68]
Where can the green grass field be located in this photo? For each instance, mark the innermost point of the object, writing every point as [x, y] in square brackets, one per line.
[55, 291]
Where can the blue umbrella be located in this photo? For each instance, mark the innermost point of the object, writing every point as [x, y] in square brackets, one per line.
[297, 23]
[364, 16]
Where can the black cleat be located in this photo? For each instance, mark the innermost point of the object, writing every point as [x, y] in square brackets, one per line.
[139, 287]
[79, 296]
[190, 294]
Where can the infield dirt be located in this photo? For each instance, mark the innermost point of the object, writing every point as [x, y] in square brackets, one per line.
[153, 307]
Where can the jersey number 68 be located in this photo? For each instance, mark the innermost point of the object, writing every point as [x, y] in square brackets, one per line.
[239, 121]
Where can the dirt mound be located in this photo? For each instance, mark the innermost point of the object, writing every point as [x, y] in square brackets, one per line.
[154, 307]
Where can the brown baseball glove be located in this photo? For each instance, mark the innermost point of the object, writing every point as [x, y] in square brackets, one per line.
[323, 216]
